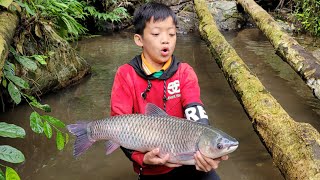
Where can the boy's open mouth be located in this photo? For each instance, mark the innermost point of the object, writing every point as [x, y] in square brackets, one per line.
[164, 51]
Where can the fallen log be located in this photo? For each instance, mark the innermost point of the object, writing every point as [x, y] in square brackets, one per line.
[294, 146]
[8, 24]
[302, 61]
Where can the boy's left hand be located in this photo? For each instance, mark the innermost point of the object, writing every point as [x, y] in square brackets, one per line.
[207, 164]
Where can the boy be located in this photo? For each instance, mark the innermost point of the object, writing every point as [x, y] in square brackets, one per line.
[157, 77]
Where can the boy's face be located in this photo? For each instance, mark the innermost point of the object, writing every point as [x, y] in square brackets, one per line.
[158, 41]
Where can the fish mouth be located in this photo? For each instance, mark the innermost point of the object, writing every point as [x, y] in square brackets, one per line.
[233, 146]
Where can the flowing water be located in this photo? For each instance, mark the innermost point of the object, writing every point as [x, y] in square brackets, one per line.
[89, 100]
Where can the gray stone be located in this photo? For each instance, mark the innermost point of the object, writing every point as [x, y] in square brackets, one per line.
[226, 14]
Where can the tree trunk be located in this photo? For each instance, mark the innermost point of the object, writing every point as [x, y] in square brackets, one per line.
[8, 24]
[303, 62]
[295, 147]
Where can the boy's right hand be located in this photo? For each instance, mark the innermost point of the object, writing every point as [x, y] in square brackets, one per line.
[153, 158]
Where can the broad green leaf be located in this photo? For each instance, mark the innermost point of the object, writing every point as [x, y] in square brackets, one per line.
[47, 129]
[45, 107]
[11, 154]
[11, 174]
[11, 131]
[40, 59]
[18, 81]
[36, 104]
[60, 140]
[14, 93]
[4, 83]
[26, 62]
[36, 123]
[9, 68]
[25, 5]
[54, 121]
[5, 3]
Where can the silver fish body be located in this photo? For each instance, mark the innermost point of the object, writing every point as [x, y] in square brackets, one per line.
[180, 138]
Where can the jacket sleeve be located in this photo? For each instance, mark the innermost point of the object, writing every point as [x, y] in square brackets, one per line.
[122, 103]
[190, 93]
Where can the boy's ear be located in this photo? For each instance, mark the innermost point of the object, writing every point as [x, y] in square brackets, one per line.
[138, 40]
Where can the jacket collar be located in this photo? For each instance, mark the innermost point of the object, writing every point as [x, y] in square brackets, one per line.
[136, 63]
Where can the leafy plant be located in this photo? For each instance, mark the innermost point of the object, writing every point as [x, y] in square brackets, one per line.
[308, 12]
[116, 15]
[39, 123]
[63, 14]
[8, 153]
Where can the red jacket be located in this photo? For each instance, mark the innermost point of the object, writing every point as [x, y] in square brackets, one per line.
[174, 91]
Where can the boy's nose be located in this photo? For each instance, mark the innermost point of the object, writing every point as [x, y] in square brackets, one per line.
[165, 42]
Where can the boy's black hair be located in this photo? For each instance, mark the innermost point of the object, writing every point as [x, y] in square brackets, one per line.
[152, 9]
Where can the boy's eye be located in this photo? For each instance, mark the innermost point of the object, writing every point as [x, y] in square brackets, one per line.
[155, 34]
[172, 34]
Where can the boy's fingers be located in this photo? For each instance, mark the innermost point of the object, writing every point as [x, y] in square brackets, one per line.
[200, 162]
[155, 152]
[172, 165]
[225, 157]
[164, 159]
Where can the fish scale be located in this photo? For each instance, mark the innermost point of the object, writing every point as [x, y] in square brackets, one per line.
[178, 137]
[167, 133]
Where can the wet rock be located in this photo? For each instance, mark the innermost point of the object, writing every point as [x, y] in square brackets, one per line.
[226, 14]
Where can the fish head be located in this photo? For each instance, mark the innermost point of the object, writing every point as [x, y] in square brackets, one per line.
[215, 143]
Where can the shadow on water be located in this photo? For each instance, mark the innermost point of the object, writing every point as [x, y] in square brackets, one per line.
[89, 100]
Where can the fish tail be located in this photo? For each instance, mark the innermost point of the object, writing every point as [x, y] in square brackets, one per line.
[82, 142]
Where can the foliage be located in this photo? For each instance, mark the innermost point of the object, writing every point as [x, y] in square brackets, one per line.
[62, 14]
[66, 16]
[116, 15]
[308, 12]
[112, 11]
[5, 3]
[39, 123]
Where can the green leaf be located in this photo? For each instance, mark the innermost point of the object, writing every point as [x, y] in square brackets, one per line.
[36, 123]
[54, 121]
[44, 107]
[40, 59]
[36, 104]
[18, 81]
[11, 131]
[4, 83]
[9, 68]
[11, 174]
[5, 3]
[11, 154]
[47, 129]
[14, 93]
[60, 140]
[26, 62]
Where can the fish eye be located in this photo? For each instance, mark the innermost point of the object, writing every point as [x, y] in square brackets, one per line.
[219, 146]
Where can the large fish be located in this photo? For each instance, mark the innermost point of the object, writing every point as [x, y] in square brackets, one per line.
[178, 137]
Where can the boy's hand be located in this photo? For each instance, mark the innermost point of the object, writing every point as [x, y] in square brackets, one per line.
[207, 164]
[153, 158]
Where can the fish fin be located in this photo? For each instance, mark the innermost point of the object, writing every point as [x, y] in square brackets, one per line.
[82, 142]
[111, 146]
[184, 156]
[153, 110]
